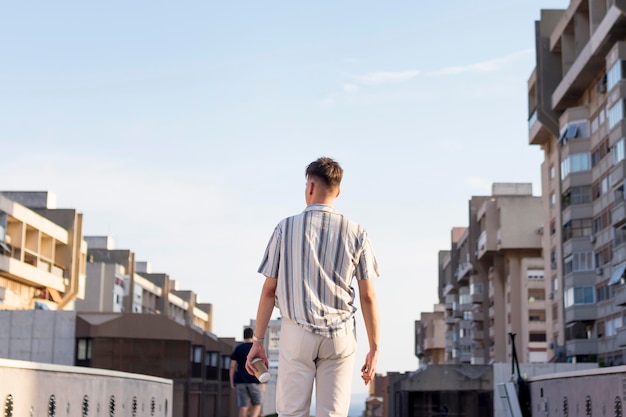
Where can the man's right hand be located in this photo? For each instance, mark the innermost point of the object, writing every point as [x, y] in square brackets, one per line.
[256, 351]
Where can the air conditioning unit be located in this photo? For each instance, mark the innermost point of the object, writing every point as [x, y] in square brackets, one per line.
[598, 271]
[551, 295]
[540, 230]
[592, 238]
[551, 346]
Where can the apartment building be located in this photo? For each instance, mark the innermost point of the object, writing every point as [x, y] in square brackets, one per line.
[42, 253]
[491, 280]
[116, 283]
[430, 336]
[449, 297]
[576, 113]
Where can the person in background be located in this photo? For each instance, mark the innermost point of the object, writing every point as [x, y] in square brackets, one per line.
[309, 265]
[248, 388]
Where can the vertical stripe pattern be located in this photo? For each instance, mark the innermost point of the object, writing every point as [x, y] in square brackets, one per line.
[315, 256]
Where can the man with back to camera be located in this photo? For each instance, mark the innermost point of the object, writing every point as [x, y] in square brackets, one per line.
[247, 387]
[309, 265]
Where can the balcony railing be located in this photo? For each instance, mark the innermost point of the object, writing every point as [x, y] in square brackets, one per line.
[581, 347]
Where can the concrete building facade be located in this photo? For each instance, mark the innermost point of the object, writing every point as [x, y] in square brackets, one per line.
[576, 115]
[492, 281]
[42, 253]
[116, 283]
[430, 336]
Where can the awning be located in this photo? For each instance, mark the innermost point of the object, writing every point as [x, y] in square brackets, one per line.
[54, 294]
[618, 273]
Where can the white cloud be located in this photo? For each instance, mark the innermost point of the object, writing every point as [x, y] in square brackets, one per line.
[385, 77]
[492, 65]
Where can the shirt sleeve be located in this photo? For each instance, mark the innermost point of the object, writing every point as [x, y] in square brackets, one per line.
[271, 260]
[367, 266]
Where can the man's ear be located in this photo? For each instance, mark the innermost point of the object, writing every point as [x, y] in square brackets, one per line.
[338, 191]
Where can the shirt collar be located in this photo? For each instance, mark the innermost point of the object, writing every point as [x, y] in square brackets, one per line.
[320, 207]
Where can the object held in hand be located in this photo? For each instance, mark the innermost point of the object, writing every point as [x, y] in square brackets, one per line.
[260, 370]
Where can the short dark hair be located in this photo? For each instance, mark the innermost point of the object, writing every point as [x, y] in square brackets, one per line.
[327, 170]
[248, 333]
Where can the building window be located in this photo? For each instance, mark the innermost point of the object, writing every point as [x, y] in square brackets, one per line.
[83, 349]
[196, 361]
[197, 354]
[552, 200]
[210, 362]
[552, 171]
[616, 114]
[574, 129]
[615, 74]
[577, 195]
[611, 326]
[576, 228]
[537, 337]
[580, 295]
[578, 262]
[618, 151]
[619, 236]
[601, 151]
[601, 221]
[576, 162]
[476, 289]
[535, 274]
[619, 193]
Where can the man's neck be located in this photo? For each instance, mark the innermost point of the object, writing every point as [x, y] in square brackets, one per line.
[325, 201]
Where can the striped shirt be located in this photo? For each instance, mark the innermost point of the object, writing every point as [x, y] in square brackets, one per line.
[315, 255]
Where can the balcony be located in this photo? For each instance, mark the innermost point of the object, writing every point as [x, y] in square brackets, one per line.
[621, 337]
[457, 310]
[478, 357]
[449, 301]
[477, 312]
[482, 244]
[618, 213]
[620, 295]
[478, 335]
[39, 274]
[463, 271]
[451, 320]
[581, 347]
[580, 312]
[477, 298]
[537, 304]
[534, 326]
[588, 60]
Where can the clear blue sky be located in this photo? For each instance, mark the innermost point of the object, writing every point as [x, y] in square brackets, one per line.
[182, 130]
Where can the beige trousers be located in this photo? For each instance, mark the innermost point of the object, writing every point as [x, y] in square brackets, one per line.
[305, 357]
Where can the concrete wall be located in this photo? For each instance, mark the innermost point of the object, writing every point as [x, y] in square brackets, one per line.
[38, 336]
[36, 389]
[502, 373]
[600, 391]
